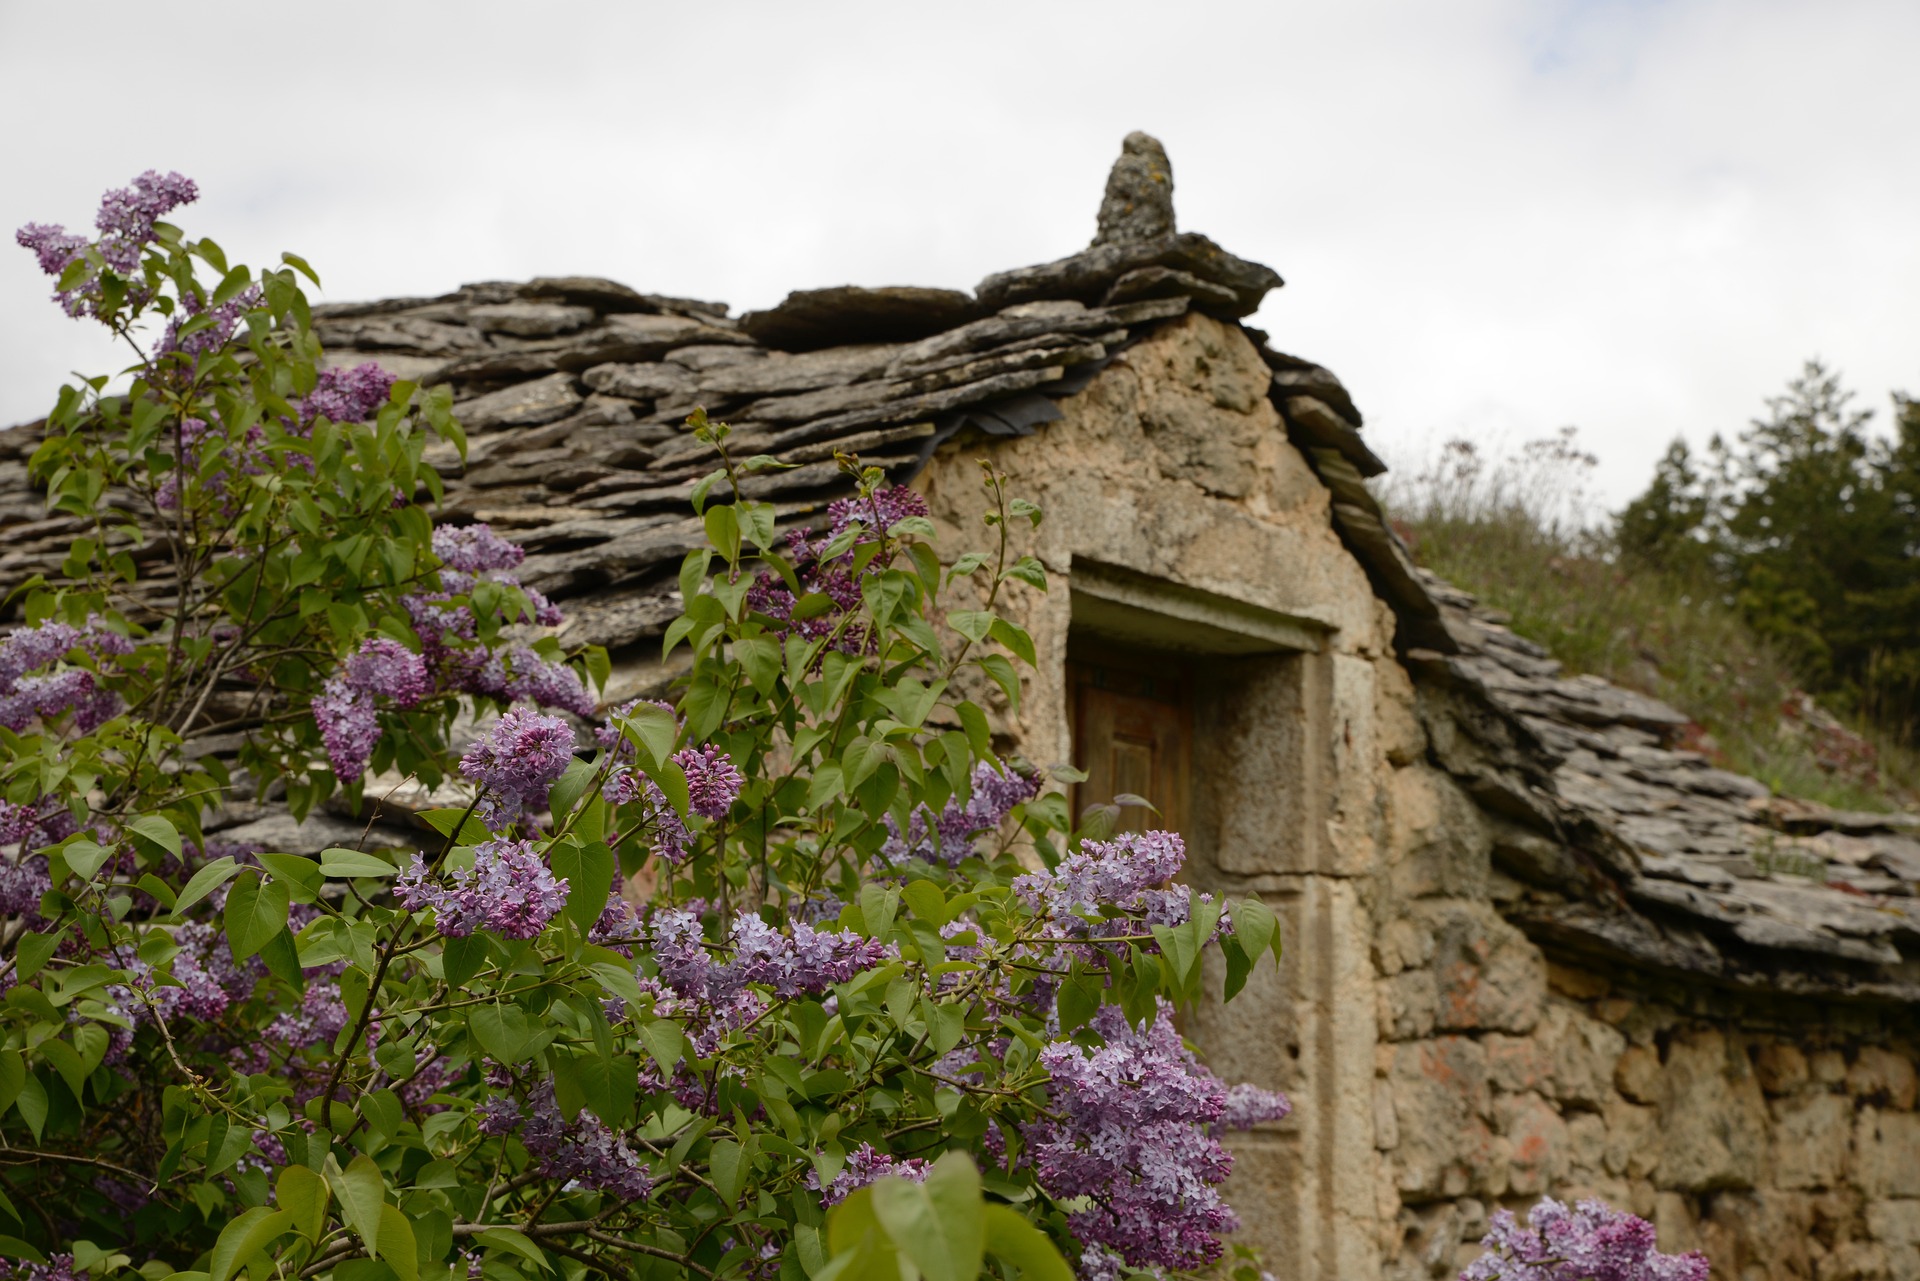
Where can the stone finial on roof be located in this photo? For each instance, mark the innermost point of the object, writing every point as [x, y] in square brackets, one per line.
[1138, 255]
[1138, 206]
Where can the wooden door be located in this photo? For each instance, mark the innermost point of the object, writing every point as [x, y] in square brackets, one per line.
[1132, 733]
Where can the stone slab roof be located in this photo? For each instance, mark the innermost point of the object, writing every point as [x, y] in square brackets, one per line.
[574, 390]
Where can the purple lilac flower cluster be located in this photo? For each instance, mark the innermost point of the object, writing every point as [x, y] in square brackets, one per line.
[25, 697]
[126, 225]
[222, 321]
[1129, 873]
[323, 1016]
[244, 457]
[509, 889]
[1591, 1242]
[865, 1165]
[713, 782]
[345, 710]
[670, 837]
[835, 579]
[517, 761]
[58, 1267]
[803, 961]
[206, 980]
[458, 663]
[348, 396]
[22, 884]
[1136, 1136]
[948, 839]
[582, 1151]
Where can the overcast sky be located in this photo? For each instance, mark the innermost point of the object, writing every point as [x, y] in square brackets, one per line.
[1494, 217]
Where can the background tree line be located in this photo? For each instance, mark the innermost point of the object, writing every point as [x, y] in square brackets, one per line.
[1808, 523]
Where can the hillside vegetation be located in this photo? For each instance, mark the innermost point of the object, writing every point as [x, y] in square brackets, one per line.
[1520, 531]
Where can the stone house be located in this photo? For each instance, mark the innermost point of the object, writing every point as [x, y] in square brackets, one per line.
[1533, 947]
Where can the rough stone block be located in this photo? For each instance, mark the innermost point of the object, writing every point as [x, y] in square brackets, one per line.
[1402, 945]
[1539, 1154]
[1811, 1136]
[1441, 1102]
[1386, 1121]
[1637, 1074]
[1407, 1006]
[1516, 1063]
[1828, 1067]
[1437, 839]
[525, 405]
[1490, 977]
[1760, 1235]
[1782, 1068]
[1632, 1147]
[1582, 1053]
[1586, 1147]
[1886, 1153]
[1882, 1077]
[1895, 1222]
[1713, 1117]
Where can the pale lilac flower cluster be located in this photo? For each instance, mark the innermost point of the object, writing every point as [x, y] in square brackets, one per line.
[1128, 874]
[835, 579]
[1104, 873]
[1591, 1242]
[475, 549]
[1136, 1137]
[619, 925]
[948, 839]
[1097, 1263]
[127, 215]
[349, 727]
[885, 509]
[25, 698]
[126, 222]
[866, 1165]
[713, 782]
[583, 1151]
[804, 961]
[52, 244]
[509, 889]
[1248, 1105]
[345, 710]
[353, 395]
[516, 762]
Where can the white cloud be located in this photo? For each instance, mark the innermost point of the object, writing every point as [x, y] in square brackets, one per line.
[1636, 217]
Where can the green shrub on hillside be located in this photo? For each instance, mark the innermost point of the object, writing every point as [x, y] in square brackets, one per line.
[1520, 531]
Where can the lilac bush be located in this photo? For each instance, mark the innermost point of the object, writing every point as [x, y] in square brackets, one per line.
[703, 983]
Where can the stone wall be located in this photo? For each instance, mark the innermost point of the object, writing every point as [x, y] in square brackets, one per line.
[1778, 1136]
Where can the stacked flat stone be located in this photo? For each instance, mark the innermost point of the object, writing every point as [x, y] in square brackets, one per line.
[574, 392]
